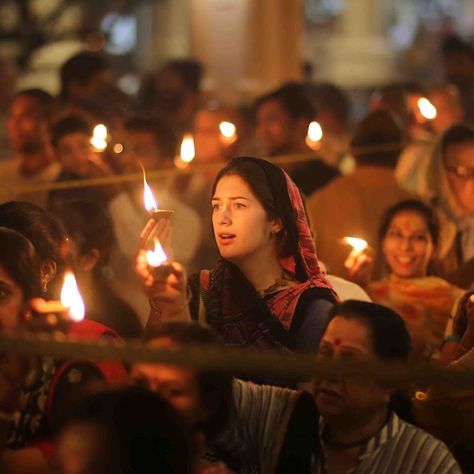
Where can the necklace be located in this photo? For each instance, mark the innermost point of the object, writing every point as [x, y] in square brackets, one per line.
[280, 284]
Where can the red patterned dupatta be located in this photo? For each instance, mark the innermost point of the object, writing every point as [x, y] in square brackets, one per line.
[283, 304]
[232, 305]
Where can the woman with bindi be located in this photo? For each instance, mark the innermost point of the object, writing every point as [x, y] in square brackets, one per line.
[267, 290]
[409, 239]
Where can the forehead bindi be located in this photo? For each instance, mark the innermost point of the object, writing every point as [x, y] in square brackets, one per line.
[409, 222]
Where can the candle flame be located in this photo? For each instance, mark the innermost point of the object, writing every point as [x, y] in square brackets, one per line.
[157, 256]
[315, 132]
[314, 135]
[148, 198]
[426, 108]
[228, 131]
[357, 244]
[71, 298]
[99, 137]
[187, 153]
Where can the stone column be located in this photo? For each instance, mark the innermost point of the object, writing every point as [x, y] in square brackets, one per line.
[360, 55]
[246, 46]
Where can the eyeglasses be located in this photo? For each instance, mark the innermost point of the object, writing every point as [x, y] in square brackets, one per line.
[463, 172]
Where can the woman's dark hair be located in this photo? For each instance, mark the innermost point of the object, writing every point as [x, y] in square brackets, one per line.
[41, 229]
[213, 386]
[268, 183]
[89, 226]
[143, 433]
[19, 260]
[391, 339]
[412, 205]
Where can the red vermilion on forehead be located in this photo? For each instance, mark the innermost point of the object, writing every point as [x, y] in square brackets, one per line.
[337, 342]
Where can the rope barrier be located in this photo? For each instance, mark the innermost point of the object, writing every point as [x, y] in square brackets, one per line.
[237, 361]
[194, 168]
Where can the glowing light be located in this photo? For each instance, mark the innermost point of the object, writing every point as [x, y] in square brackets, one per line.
[71, 298]
[148, 198]
[358, 245]
[99, 137]
[314, 135]
[228, 132]
[315, 132]
[187, 152]
[157, 256]
[118, 148]
[426, 108]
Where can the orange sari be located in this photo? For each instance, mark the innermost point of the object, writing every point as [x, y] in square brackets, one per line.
[425, 304]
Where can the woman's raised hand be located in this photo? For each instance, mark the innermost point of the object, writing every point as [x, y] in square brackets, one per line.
[359, 265]
[167, 293]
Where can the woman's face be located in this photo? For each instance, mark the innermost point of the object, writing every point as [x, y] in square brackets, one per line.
[459, 165]
[242, 228]
[407, 245]
[351, 399]
[11, 302]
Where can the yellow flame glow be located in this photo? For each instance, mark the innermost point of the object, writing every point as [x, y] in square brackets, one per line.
[99, 137]
[157, 256]
[187, 152]
[71, 298]
[315, 132]
[357, 244]
[148, 198]
[427, 109]
[227, 129]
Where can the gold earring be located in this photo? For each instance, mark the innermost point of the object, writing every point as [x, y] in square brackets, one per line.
[44, 286]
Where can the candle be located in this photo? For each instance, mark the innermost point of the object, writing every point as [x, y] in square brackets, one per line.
[58, 315]
[150, 203]
[187, 152]
[99, 137]
[314, 135]
[157, 261]
[427, 109]
[358, 246]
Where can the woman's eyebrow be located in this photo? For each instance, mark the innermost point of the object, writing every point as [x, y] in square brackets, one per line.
[216, 198]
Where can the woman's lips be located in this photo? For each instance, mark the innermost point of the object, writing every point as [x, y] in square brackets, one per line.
[324, 394]
[226, 238]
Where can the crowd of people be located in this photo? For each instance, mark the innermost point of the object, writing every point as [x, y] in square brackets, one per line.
[257, 256]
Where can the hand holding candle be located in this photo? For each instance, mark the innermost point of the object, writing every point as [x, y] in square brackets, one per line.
[58, 315]
[150, 203]
[359, 263]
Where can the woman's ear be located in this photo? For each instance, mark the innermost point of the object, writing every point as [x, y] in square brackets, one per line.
[277, 226]
[48, 272]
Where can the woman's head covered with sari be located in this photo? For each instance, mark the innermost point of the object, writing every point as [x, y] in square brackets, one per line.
[281, 200]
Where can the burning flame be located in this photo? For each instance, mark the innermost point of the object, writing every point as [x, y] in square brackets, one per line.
[187, 152]
[426, 108]
[358, 245]
[228, 132]
[157, 256]
[148, 198]
[71, 298]
[99, 137]
[314, 136]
